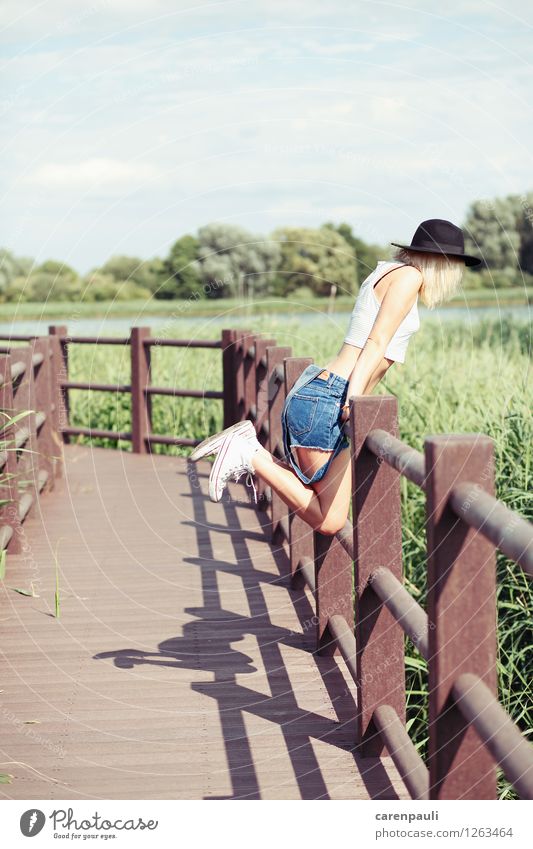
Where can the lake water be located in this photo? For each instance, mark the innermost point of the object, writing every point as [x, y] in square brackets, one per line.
[210, 326]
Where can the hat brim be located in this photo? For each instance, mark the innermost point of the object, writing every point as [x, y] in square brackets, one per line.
[469, 260]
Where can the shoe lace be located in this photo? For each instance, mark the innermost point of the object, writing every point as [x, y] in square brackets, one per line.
[249, 481]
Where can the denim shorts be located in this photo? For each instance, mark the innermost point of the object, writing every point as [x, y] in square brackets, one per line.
[311, 418]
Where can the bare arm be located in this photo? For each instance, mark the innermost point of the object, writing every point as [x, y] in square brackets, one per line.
[398, 300]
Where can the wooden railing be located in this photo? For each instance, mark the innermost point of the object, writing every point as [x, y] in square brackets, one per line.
[469, 731]
[362, 608]
[141, 389]
[31, 450]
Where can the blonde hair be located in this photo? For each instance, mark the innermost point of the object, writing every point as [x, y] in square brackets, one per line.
[442, 274]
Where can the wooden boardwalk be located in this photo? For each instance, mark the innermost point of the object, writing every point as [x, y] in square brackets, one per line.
[181, 665]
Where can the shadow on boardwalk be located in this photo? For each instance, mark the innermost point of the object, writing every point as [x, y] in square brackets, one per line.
[182, 664]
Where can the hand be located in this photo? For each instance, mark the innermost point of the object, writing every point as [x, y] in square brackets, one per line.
[345, 414]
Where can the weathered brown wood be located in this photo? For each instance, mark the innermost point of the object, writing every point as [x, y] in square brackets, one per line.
[377, 543]
[181, 666]
[141, 401]
[301, 534]
[25, 401]
[9, 512]
[239, 364]
[249, 378]
[56, 401]
[334, 589]
[462, 614]
[228, 377]
[61, 371]
[43, 404]
[261, 408]
[276, 395]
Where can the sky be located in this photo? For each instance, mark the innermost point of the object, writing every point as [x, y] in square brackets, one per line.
[127, 123]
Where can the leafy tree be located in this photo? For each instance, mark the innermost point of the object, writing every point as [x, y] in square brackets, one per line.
[42, 286]
[492, 233]
[180, 272]
[12, 267]
[366, 255]
[144, 273]
[104, 287]
[57, 269]
[316, 259]
[522, 206]
[234, 262]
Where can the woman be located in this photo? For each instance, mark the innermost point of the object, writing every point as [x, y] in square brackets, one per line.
[314, 479]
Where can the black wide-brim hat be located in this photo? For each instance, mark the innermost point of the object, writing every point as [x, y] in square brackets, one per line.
[437, 236]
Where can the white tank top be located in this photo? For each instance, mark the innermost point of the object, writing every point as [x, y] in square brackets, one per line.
[367, 307]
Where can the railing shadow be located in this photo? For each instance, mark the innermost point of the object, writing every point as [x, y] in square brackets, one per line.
[208, 643]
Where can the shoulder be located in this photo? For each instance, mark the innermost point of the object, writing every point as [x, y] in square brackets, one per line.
[405, 278]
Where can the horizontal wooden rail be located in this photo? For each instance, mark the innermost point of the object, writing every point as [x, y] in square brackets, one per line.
[306, 568]
[184, 393]
[150, 341]
[19, 337]
[17, 370]
[150, 390]
[404, 608]
[171, 440]
[408, 762]
[397, 454]
[96, 432]
[65, 339]
[95, 387]
[497, 731]
[509, 532]
[345, 641]
[345, 537]
[182, 343]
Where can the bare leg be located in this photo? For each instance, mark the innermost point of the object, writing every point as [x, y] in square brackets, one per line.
[324, 505]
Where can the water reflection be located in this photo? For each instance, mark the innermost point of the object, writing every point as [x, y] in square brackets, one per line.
[210, 326]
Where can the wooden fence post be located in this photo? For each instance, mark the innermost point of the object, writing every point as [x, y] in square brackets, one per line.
[334, 589]
[301, 534]
[276, 399]
[61, 371]
[377, 542]
[462, 614]
[9, 512]
[43, 405]
[261, 408]
[24, 400]
[239, 364]
[56, 399]
[228, 377]
[248, 378]
[141, 407]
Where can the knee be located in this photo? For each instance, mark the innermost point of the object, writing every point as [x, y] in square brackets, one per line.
[330, 526]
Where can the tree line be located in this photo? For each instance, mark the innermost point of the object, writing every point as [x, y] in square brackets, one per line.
[225, 260]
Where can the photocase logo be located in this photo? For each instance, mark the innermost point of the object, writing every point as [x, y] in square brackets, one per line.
[32, 822]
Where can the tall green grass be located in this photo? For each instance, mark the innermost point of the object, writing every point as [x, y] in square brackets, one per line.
[457, 379]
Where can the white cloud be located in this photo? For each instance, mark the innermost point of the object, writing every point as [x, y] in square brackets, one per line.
[109, 173]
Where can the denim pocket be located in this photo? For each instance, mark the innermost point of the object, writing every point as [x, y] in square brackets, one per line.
[301, 413]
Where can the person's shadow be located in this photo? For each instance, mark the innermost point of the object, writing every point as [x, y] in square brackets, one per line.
[208, 645]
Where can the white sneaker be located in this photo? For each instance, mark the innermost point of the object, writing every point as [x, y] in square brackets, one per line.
[233, 459]
[213, 443]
